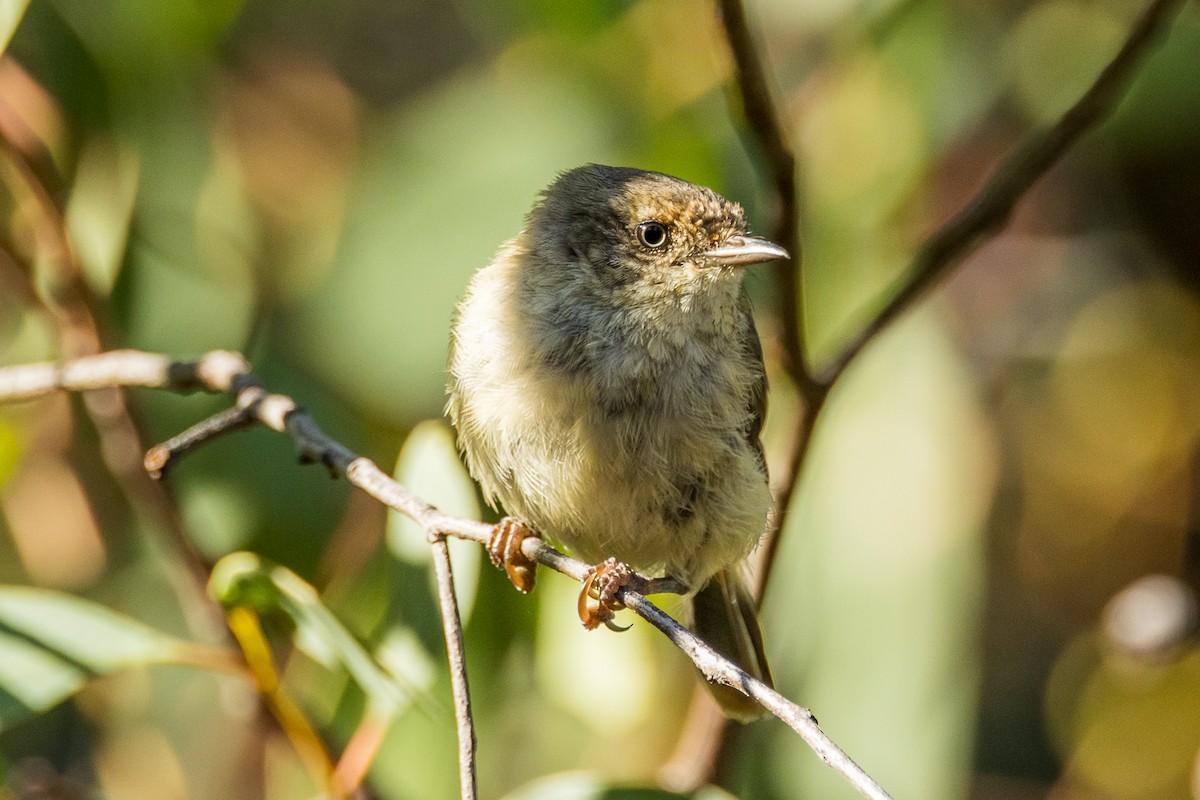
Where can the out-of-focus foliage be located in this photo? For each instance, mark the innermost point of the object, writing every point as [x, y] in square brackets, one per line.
[53, 643]
[313, 183]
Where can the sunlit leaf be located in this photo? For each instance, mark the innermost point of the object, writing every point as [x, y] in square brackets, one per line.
[10, 449]
[244, 579]
[11, 12]
[588, 786]
[896, 579]
[429, 466]
[52, 643]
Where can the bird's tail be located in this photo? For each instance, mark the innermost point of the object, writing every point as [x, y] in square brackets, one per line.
[723, 615]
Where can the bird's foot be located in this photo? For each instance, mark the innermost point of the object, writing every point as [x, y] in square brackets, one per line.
[598, 601]
[505, 551]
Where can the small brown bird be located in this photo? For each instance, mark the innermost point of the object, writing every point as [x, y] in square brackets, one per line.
[607, 386]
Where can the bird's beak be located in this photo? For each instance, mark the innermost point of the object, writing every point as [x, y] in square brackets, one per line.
[741, 251]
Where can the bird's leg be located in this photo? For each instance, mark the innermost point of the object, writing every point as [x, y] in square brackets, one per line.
[505, 551]
[599, 600]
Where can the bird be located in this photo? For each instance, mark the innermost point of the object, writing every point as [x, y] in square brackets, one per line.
[607, 389]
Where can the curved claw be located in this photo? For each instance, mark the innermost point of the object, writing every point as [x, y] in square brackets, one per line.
[598, 600]
[504, 548]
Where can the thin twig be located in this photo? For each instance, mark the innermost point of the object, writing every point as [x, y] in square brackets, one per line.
[796, 454]
[456, 654]
[766, 125]
[225, 421]
[222, 371]
[986, 213]
[695, 753]
[990, 209]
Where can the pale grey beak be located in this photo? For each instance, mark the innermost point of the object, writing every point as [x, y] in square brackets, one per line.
[741, 251]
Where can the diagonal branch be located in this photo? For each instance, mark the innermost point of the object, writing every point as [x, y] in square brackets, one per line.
[935, 259]
[985, 215]
[990, 209]
[222, 371]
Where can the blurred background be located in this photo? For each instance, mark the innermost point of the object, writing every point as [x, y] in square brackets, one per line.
[987, 587]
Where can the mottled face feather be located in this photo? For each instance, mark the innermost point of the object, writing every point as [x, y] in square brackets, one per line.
[619, 215]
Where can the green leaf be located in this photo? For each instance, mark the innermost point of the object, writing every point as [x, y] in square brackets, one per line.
[244, 579]
[52, 643]
[429, 466]
[11, 449]
[11, 12]
[588, 786]
[441, 183]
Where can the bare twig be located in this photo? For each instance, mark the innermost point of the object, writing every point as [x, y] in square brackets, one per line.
[222, 371]
[704, 727]
[990, 209]
[796, 454]
[983, 216]
[767, 127]
[456, 654]
[225, 421]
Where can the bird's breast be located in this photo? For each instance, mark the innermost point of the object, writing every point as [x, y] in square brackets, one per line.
[609, 435]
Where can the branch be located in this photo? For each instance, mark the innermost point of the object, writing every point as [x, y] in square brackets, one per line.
[981, 219]
[990, 209]
[767, 127]
[70, 304]
[455, 652]
[222, 371]
[944, 250]
[718, 669]
[704, 732]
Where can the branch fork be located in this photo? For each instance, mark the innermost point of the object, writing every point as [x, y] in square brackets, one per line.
[221, 371]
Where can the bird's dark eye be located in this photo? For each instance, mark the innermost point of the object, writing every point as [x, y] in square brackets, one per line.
[652, 234]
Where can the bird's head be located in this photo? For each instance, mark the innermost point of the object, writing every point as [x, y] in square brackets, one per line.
[630, 230]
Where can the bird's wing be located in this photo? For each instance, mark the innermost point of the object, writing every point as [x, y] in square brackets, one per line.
[750, 344]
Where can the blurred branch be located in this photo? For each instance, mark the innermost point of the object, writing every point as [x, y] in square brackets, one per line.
[69, 301]
[703, 733]
[222, 371]
[985, 215]
[945, 249]
[990, 209]
[767, 127]
[360, 753]
[766, 124]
